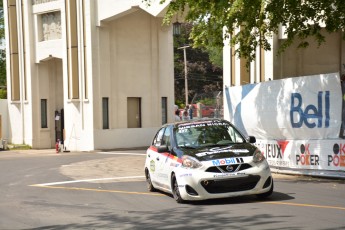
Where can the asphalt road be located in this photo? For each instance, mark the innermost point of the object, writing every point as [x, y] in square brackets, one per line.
[45, 190]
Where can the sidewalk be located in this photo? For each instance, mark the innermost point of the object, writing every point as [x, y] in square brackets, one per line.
[29, 152]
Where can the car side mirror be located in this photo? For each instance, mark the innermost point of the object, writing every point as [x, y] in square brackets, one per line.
[251, 139]
[163, 149]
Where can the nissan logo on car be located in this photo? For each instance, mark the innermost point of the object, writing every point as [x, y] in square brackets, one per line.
[229, 168]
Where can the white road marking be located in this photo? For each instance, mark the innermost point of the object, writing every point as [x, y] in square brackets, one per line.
[99, 179]
[120, 153]
[87, 180]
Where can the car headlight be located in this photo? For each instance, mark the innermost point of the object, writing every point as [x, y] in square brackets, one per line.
[190, 162]
[258, 156]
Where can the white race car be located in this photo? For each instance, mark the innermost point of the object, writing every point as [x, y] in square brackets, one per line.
[206, 159]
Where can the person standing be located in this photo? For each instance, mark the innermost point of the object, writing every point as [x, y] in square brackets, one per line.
[185, 116]
[177, 115]
[190, 112]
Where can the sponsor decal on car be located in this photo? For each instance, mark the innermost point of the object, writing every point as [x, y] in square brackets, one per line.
[175, 164]
[221, 150]
[228, 175]
[152, 166]
[183, 128]
[186, 175]
[227, 161]
[162, 175]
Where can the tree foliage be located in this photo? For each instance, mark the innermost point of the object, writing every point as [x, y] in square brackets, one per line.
[3, 93]
[2, 28]
[203, 75]
[258, 20]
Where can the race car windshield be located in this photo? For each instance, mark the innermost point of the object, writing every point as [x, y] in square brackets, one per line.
[194, 135]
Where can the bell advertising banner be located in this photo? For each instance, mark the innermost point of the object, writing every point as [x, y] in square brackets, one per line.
[296, 121]
[300, 108]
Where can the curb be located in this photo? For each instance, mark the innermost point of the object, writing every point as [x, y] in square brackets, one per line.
[313, 173]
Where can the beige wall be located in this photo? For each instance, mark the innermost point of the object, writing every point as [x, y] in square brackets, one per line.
[129, 67]
[293, 62]
[135, 59]
[5, 131]
[312, 60]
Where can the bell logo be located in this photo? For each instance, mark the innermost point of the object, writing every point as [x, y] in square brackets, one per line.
[311, 114]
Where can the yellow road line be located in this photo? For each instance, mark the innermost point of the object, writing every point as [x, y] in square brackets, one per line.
[98, 190]
[305, 205]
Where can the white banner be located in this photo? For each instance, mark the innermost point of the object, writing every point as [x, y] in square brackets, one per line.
[295, 108]
[304, 154]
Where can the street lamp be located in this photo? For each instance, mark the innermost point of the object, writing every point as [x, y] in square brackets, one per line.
[176, 28]
[185, 71]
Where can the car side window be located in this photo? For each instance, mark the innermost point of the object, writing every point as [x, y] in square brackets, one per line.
[157, 141]
[166, 137]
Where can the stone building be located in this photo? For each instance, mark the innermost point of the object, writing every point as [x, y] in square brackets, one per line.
[93, 74]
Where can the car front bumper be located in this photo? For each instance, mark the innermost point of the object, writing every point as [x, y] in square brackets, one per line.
[197, 184]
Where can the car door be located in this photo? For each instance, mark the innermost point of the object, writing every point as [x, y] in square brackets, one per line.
[152, 158]
[160, 158]
[167, 160]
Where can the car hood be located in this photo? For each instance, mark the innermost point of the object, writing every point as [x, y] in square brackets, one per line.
[219, 152]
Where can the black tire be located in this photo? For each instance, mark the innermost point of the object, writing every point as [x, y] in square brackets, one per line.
[149, 182]
[266, 194]
[175, 190]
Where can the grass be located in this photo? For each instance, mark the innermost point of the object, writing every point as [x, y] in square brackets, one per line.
[18, 147]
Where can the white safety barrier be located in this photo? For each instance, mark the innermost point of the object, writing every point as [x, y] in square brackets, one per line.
[294, 108]
[296, 121]
[304, 154]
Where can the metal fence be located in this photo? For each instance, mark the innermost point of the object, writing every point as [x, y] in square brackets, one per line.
[204, 105]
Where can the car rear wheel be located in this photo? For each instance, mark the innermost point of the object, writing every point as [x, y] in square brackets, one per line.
[266, 194]
[149, 182]
[175, 190]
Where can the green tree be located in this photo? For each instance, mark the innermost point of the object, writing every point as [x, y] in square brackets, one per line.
[2, 27]
[2, 32]
[258, 20]
[204, 76]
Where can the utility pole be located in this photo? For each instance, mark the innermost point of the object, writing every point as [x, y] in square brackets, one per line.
[185, 71]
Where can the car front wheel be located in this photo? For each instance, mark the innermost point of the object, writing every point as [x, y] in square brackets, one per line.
[175, 190]
[149, 182]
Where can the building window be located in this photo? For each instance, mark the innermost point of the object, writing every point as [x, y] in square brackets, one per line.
[44, 121]
[164, 110]
[105, 112]
[134, 112]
